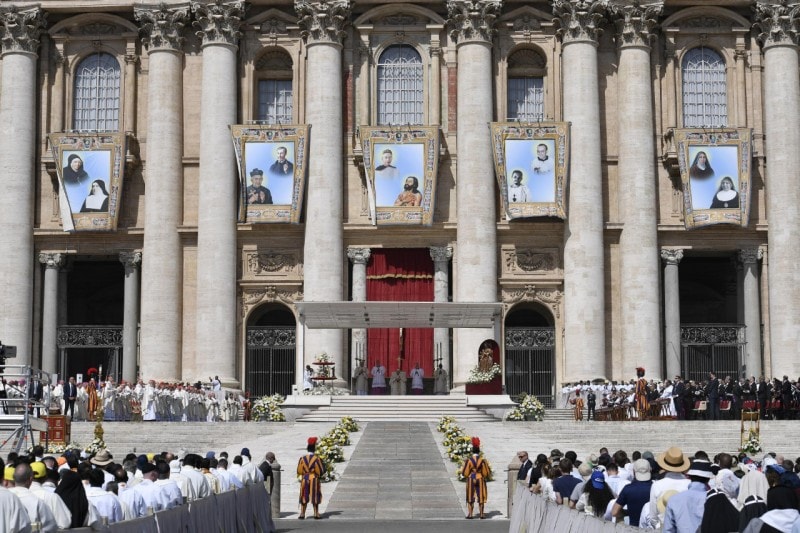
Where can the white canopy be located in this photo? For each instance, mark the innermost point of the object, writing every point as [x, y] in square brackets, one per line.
[347, 315]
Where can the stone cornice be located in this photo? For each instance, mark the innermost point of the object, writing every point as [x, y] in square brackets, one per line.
[579, 20]
[441, 253]
[671, 257]
[20, 29]
[218, 21]
[635, 23]
[472, 20]
[750, 255]
[52, 260]
[162, 26]
[777, 22]
[323, 21]
[359, 255]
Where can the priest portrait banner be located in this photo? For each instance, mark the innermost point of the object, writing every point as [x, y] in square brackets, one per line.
[90, 168]
[715, 173]
[531, 164]
[272, 164]
[401, 168]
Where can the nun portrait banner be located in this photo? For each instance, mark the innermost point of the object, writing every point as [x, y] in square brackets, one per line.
[90, 168]
[272, 167]
[401, 166]
[531, 164]
[715, 173]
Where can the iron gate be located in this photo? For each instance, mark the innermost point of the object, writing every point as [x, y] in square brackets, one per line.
[270, 360]
[711, 348]
[530, 363]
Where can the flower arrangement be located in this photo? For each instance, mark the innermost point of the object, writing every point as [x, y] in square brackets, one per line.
[322, 357]
[349, 424]
[329, 447]
[457, 445]
[444, 423]
[326, 391]
[515, 415]
[476, 376]
[529, 408]
[95, 447]
[753, 443]
[269, 408]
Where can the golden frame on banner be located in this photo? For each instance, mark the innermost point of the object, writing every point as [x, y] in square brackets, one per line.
[531, 164]
[401, 166]
[272, 159]
[715, 170]
[90, 168]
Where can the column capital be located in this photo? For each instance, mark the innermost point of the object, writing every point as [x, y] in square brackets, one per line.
[777, 22]
[20, 29]
[579, 20]
[441, 253]
[218, 21]
[52, 260]
[323, 21]
[750, 255]
[359, 255]
[635, 23]
[671, 256]
[472, 20]
[130, 259]
[162, 26]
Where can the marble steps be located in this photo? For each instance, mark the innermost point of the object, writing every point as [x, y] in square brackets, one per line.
[396, 408]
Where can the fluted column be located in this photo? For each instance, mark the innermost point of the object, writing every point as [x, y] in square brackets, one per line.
[52, 264]
[472, 27]
[638, 244]
[162, 271]
[218, 26]
[130, 316]
[323, 25]
[752, 310]
[358, 344]
[584, 271]
[19, 34]
[441, 256]
[672, 311]
[778, 24]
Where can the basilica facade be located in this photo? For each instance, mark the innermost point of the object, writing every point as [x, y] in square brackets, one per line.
[178, 177]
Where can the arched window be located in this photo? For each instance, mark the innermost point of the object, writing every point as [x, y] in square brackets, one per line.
[96, 97]
[274, 99]
[400, 95]
[525, 92]
[705, 89]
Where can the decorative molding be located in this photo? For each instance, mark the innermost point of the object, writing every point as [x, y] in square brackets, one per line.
[274, 60]
[218, 21]
[530, 338]
[273, 27]
[703, 21]
[671, 256]
[52, 260]
[750, 255]
[527, 24]
[549, 296]
[271, 336]
[130, 259]
[472, 20]
[251, 297]
[777, 22]
[266, 263]
[359, 255]
[701, 334]
[526, 58]
[323, 21]
[162, 26]
[400, 20]
[635, 23]
[20, 29]
[94, 336]
[530, 261]
[441, 253]
[579, 20]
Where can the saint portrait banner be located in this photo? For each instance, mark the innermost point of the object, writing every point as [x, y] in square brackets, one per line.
[401, 166]
[90, 168]
[531, 164]
[715, 173]
[272, 171]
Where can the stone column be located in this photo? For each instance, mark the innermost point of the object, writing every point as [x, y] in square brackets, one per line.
[752, 311]
[19, 34]
[472, 27]
[778, 23]
[358, 344]
[441, 256]
[130, 317]
[322, 23]
[638, 245]
[218, 26]
[52, 264]
[672, 311]
[584, 270]
[162, 271]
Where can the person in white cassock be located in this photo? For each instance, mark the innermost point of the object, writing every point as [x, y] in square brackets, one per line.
[13, 516]
[198, 481]
[53, 501]
[147, 488]
[174, 496]
[186, 488]
[106, 503]
[416, 379]
[38, 512]
[249, 472]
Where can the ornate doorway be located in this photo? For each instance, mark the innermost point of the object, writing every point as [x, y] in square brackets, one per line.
[271, 351]
[530, 353]
[84, 347]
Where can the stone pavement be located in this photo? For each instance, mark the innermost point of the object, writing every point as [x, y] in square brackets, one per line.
[394, 526]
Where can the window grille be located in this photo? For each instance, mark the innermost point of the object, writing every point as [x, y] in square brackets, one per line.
[400, 94]
[705, 91]
[96, 100]
[275, 101]
[526, 99]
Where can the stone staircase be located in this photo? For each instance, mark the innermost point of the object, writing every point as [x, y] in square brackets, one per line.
[396, 408]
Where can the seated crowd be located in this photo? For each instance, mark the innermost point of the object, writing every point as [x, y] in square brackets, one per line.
[672, 491]
[75, 490]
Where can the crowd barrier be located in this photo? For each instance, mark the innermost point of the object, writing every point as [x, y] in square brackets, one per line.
[530, 513]
[245, 510]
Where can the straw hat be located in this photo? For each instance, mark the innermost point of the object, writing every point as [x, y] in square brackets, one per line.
[673, 460]
[102, 458]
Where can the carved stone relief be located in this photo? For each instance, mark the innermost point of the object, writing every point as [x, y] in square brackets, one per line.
[550, 297]
[272, 263]
[253, 296]
[526, 261]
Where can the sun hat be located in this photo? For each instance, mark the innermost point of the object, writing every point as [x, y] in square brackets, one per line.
[701, 469]
[102, 458]
[641, 470]
[673, 460]
[661, 504]
[598, 479]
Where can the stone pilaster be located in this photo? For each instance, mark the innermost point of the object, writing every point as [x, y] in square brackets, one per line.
[749, 258]
[359, 257]
[52, 264]
[641, 305]
[323, 24]
[472, 27]
[778, 24]
[672, 311]
[218, 25]
[584, 272]
[162, 271]
[130, 316]
[19, 34]
[441, 256]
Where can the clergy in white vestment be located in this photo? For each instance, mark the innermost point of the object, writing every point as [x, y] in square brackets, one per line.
[249, 472]
[199, 482]
[106, 503]
[174, 496]
[38, 512]
[60, 511]
[13, 516]
[153, 498]
[186, 488]
[233, 481]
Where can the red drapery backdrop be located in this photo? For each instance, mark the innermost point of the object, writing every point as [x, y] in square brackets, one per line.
[400, 275]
